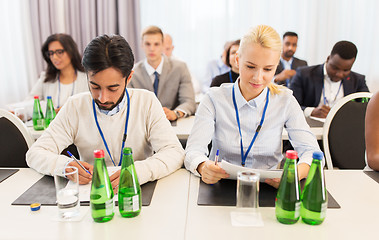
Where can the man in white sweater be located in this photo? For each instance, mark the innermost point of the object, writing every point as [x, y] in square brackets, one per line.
[110, 117]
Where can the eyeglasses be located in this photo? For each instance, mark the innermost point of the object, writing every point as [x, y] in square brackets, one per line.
[58, 52]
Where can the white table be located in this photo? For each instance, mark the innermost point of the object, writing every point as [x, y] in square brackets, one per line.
[357, 218]
[165, 218]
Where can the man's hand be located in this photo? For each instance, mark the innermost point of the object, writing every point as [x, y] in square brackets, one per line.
[273, 182]
[84, 177]
[170, 115]
[285, 74]
[57, 110]
[211, 173]
[115, 179]
[320, 111]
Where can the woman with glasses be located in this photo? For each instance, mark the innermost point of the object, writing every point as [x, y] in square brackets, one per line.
[245, 120]
[64, 75]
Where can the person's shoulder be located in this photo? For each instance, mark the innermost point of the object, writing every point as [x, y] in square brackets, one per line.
[175, 63]
[141, 94]
[300, 62]
[79, 101]
[283, 94]
[224, 90]
[357, 76]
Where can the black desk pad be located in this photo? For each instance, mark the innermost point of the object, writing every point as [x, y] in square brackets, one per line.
[6, 173]
[373, 174]
[223, 193]
[43, 191]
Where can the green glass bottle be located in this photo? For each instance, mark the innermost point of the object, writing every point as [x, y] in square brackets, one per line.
[287, 202]
[101, 197]
[314, 198]
[129, 190]
[38, 120]
[50, 111]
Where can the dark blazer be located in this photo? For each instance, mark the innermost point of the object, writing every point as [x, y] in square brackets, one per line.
[175, 90]
[295, 64]
[224, 78]
[308, 82]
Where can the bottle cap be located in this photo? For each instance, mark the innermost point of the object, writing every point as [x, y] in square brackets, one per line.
[48, 97]
[36, 97]
[35, 206]
[291, 154]
[318, 155]
[98, 153]
[127, 150]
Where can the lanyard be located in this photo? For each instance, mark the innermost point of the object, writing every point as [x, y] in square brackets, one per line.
[125, 130]
[244, 156]
[326, 100]
[230, 76]
[59, 89]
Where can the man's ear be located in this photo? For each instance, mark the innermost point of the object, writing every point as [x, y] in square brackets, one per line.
[237, 60]
[327, 59]
[129, 78]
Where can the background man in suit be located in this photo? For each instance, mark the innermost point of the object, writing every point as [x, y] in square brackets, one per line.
[288, 63]
[168, 78]
[317, 88]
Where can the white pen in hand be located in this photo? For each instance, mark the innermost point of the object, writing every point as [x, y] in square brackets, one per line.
[216, 158]
[77, 161]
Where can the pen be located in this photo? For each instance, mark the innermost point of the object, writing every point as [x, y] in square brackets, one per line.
[216, 158]
[77, 161]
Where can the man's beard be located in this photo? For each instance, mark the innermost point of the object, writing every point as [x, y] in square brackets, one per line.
[113, 105]
[289, 54]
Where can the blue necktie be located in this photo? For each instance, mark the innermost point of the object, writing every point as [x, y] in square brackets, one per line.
[156, 80]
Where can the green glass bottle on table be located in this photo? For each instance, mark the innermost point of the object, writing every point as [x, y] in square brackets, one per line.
[50, 111]
[101, 197]
[129, 191]
[38, 120]
[314, 198]
[287, 202]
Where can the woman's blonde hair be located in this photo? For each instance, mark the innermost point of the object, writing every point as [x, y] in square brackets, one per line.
[266, 37]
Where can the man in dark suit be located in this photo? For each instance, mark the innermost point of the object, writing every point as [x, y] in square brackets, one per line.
[288, 63]
[168, 78]
[317, 88]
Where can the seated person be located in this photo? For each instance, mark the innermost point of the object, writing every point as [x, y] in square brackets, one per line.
[372, 133]
[215, 67]
[233, 74]
[64, 75]
[110, 117]
[229, 116]
[317, 88]
[168, 78]
[288, 63]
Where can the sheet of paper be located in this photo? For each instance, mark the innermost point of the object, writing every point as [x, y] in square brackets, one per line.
[318, 119]
[85, 190]
[232, 170]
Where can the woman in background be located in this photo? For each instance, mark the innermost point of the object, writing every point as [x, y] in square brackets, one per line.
[233, 74]
[231, 115]
[64, 75]
[372, 132]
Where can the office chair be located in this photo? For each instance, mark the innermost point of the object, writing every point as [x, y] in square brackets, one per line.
[344, 132]
[15, 140]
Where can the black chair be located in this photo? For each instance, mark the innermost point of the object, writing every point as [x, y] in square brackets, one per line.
[15, 140]
[344, 132]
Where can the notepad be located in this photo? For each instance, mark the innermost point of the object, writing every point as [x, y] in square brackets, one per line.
[233, 170]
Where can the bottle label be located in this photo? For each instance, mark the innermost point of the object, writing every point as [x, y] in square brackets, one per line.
[297, 209]
[324, 206]
[41, 122]
[109, 207]
[131, 204]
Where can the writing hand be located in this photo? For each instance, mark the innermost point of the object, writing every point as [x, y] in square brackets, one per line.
[211, 173]
[84, 177]
[320, 111]
[115, 178]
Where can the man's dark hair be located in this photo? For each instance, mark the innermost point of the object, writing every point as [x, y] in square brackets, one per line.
[345, 49]
[108, 51]
[290, 34]
[69, 46]
[235, 43]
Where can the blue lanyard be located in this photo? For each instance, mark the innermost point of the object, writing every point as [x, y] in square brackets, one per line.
[230, 76]
[323, 92]
[125, 130]
[59, 89]
[244, 156]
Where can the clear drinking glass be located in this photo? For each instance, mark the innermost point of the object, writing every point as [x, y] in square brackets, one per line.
[248, 190]
[247, 212]
[21, 114]
[67, 192]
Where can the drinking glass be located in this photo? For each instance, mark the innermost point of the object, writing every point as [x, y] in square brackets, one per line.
[67, 192]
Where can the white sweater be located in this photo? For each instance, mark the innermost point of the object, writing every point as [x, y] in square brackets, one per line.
[148, 132]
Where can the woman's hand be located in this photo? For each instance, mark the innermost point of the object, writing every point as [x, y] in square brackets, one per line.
[211, 173]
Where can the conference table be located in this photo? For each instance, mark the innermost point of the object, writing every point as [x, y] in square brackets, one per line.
[174, 214]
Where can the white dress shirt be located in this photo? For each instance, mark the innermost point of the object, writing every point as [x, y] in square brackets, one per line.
[333, 93]
[216, 120]
[150, 70]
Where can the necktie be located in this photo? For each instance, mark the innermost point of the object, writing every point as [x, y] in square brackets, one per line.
[156, 80]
